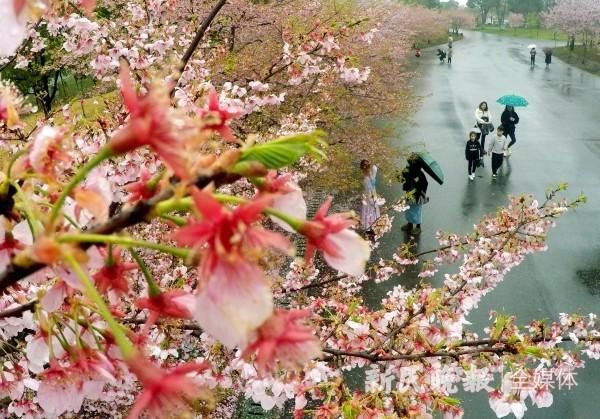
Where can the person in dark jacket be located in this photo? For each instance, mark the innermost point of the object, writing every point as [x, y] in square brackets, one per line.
[473, 152]
[415, 185]
[532, 53]
[548, 58]
[509, 120]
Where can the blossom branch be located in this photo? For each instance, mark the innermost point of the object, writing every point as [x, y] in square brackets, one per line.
[199, 34]
[19, 268]
[489, 346]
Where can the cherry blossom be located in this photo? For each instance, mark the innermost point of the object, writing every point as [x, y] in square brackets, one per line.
[112, 274]
[330, 234]
[165, 391]
[216, 118]
[150, 124]
[281, 339]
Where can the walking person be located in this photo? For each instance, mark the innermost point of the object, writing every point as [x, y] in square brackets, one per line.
[415, 185]
[449, 55]
[509, 120]
[473, 152]
[548, 57]
[532, 54]
[497, 148]
[369, 212]
[483, 117]
[450, 41]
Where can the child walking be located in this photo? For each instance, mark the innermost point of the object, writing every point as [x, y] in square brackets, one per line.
[472, 152]
[497, 148]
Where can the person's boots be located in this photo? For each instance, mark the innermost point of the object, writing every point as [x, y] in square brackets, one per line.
[407, 227]
[416, 231]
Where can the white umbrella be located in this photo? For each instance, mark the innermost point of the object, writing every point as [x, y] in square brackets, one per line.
[531, 46]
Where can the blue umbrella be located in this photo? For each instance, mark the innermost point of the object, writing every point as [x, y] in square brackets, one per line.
[513, 100]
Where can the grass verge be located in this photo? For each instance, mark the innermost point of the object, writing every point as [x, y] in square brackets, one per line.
[85, 110]
[532, 33]
[589, 61]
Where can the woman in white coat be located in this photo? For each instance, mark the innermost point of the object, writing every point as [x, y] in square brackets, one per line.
[483, 117]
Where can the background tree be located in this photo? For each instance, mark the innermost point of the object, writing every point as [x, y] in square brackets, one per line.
[452, 4]
[461, 19]
[185, 295]
[431, 4]
[483, 8]
[516, 20]
[576, 18]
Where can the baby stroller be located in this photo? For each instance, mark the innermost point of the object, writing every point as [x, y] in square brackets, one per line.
[442, 55]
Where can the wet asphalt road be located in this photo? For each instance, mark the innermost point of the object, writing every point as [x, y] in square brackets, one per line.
[558, 139]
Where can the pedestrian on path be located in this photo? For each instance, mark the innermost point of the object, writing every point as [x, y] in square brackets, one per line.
[532, 53]
[483, 117]
[450, 41]
[473, 152]
[369, 212]
[497, 148]
[415, 185]
[449, 55]
[548, 58]
[509, 120]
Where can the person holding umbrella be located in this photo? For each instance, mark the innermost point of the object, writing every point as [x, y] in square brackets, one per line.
[415, 185]
[548, 58]
[532, 53]
[509, 116]
[509, 120]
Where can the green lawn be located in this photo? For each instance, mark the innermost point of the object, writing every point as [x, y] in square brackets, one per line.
[89, 109]
[534, 33]
[588, 61]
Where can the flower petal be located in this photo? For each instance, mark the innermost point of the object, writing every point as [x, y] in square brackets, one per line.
[291, 203]
[235, 302]
[354, 253]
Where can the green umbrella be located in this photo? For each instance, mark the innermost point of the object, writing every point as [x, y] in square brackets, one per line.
[513, 100]
[432, 167]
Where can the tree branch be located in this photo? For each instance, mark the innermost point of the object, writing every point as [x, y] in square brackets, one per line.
[17, 311]
[14, 272]
[199, 34]
[489, 346]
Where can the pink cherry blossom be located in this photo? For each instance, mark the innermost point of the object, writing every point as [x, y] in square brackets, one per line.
[14, 23]
[342, 248]
[150, 124]
[541, 396]
[140, 189]
[112, 274]
[281, 338]
[229, 235]
[46, 149]
[174, 303]
[287, 197]
[216, 117]
[233, 302]
[165, 392]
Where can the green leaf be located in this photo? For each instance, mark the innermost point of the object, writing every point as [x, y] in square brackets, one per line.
[350, 412]
[534, 351]
[283, 151]
[452, 401]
